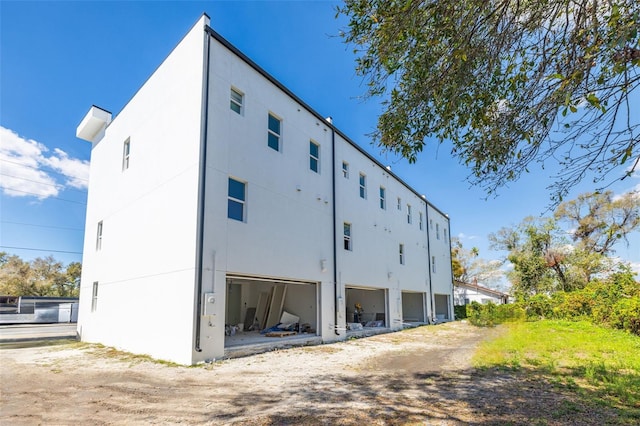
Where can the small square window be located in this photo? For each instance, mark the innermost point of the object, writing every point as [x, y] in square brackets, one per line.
[383, 199]
[314, 156]
[363, 186]
[236, 101]
[273, 135]
[99, 237]
[347, 236]
[345, 169]
[401, 252]
[126, 151]
[236, 200]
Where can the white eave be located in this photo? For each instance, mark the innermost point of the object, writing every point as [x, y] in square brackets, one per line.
[92, 126]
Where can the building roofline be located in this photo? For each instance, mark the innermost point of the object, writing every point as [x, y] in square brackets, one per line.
[302, 103]
[458, 283]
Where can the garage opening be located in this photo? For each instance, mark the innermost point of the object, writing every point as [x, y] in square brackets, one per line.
[366, 309]
[442, 307]
[413, 312]
[260, 311]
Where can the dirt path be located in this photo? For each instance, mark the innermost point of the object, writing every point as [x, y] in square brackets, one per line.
[419, 376]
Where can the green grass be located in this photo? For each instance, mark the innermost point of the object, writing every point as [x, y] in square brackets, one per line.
[601, 365]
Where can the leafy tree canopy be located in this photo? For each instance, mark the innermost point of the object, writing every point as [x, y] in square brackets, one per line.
[545, 259]
[40, 277]
[508, 82]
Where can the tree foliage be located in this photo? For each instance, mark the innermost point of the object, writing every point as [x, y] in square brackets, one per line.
[40, 277]
[599, 220]
[467, 265]
[545, 260]
[507, 82]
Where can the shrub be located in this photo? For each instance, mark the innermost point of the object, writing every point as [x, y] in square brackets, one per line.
[460, 311]
[538, 307]
[490, 314]
[626, 315]
[574, 305]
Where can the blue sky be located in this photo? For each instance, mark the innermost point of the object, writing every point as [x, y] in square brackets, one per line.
[58, 58]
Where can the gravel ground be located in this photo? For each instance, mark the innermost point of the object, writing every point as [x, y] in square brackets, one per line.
[418, 376]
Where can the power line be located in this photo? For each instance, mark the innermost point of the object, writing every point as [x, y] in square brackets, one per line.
[43, 250]
[41, 226]
[57, 186]
[50, 169]
[40, 195]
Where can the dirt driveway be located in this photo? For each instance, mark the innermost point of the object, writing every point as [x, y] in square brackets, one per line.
[418, 376]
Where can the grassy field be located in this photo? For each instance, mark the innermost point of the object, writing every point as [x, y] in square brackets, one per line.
[600, 365]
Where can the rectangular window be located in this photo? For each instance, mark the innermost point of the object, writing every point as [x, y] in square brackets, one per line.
[431, 223]
[437, 231]
[94, 297]
[409, 213]
[401, 251]
[445, 234]
[399, 203]
[314, 156]
[433, 264]
[236, 202]
[235, 101]
[345, 169]
[99, 236]
[363, 186]
[126, 151]
[420, 220]
[383, 198]
[347, 236]
[273, 136]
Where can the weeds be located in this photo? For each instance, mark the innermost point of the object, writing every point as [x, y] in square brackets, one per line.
[601, 365]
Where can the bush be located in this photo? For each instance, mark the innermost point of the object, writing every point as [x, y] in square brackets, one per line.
[490, 314]
[626, 315]
[538, 307]
[575, 305]
[460, 311]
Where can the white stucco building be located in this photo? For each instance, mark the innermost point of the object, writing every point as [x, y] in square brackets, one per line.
[465, 293]
[219, 197]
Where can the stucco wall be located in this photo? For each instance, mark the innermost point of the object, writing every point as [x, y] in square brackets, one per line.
[145, 267]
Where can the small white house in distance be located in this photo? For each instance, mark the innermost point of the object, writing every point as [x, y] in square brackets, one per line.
[465, 293]
[223, 210]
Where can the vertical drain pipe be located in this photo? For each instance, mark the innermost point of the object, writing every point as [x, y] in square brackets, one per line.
[335, 227]
[202, 189]
[429, 265]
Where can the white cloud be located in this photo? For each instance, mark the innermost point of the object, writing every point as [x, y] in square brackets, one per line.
[463, 236]
[76, 171]
[24, 164]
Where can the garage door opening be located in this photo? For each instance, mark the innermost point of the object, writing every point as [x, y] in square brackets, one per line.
[442, 307]
[366, 309]
[413, 312]
[263, 311]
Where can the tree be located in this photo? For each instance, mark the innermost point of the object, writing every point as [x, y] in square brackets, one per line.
[467, 265]
[507, 82]
[599, 220]
[537, 255]
[543, 258]
[40, 277]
